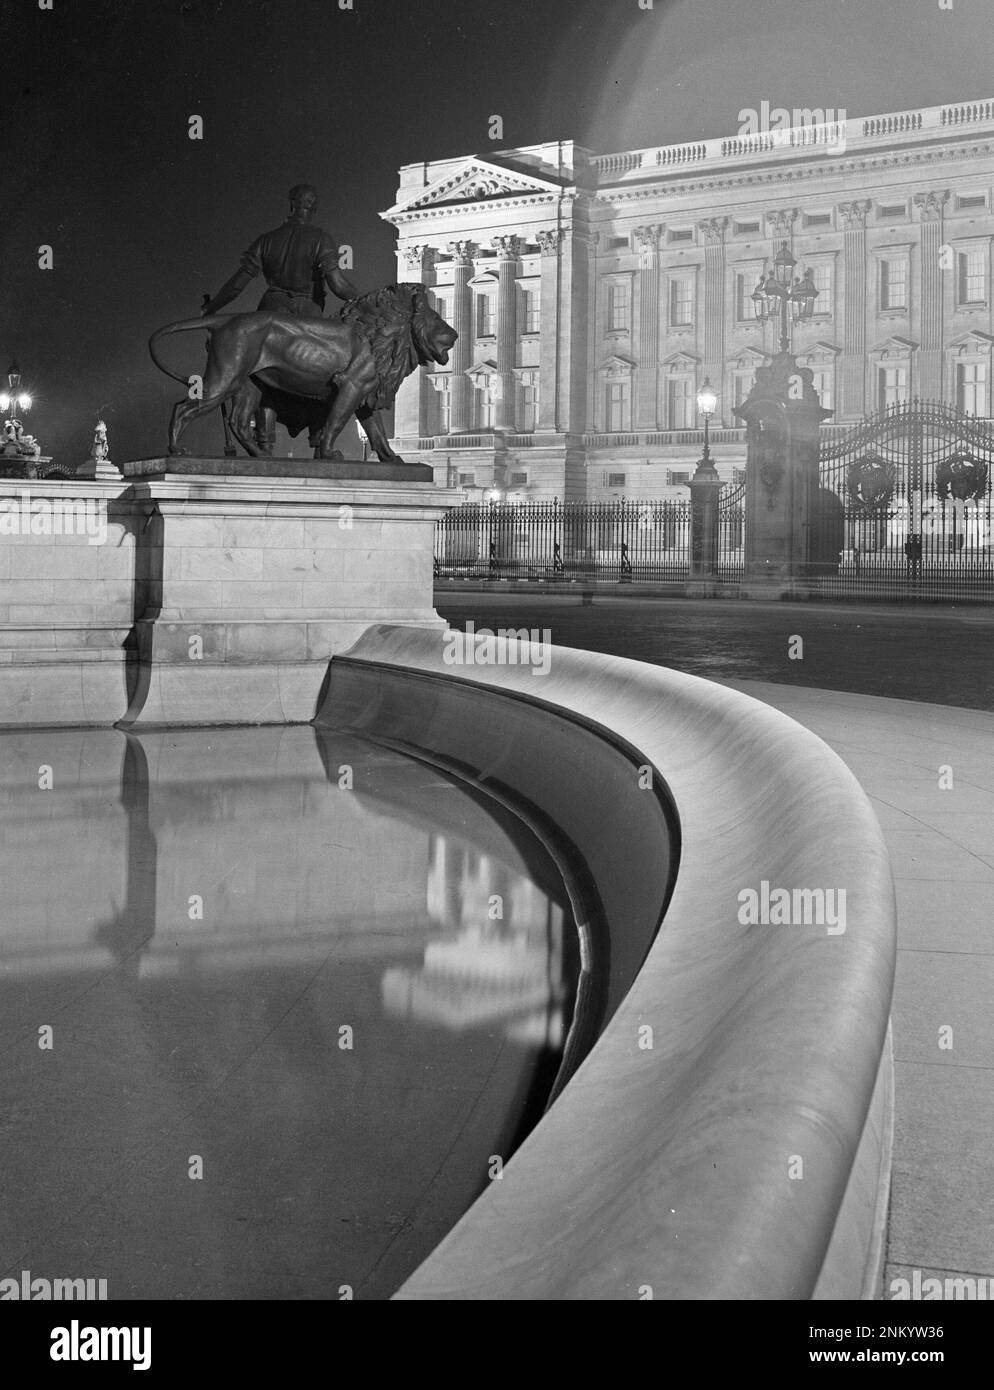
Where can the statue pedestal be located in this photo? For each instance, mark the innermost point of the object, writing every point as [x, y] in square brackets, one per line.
[200, 597]
[247, 586]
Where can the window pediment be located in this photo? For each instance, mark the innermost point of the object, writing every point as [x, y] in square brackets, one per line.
[894, 346]
[615, 367]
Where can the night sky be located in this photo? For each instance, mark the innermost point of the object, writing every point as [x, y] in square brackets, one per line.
[97, 95]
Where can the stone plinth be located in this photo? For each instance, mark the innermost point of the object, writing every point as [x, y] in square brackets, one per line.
[67, 567]
[198, 597]
[247, 586]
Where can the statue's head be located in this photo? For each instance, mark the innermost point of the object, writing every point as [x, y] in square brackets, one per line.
[303, 201]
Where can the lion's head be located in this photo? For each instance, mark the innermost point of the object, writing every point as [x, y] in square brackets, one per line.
[404, 332]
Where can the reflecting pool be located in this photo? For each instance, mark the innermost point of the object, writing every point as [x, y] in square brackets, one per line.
[272, 1001]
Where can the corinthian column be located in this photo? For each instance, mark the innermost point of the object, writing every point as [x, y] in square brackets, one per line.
[412, 401]
[646, 343]
[507, 261]
[930, 211]
[548, 379]
[713, 235]
[853, 360]
[462, 322]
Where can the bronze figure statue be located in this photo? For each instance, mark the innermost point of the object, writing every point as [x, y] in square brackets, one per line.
[297, 259]
[313, 373]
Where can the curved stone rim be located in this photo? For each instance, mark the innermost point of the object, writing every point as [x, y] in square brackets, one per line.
[665, 1172]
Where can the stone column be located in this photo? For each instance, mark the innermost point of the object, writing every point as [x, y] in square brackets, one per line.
[548, 383]
[713, 310]
[782, 416]
[462, 321]
[930, 211]
[705, 487]
[853, 361]
[646, 341]
[411, 405]
[507, 334]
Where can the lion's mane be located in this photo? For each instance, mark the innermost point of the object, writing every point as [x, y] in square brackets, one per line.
[394, 321]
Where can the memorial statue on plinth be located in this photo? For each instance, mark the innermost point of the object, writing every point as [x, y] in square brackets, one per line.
[287, 363]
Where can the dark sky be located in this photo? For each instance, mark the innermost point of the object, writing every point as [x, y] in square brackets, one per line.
[97, 162]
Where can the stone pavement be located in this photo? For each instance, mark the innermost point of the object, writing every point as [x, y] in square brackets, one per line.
[929, 772]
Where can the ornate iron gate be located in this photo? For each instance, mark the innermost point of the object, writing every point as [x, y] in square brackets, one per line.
[915, 486]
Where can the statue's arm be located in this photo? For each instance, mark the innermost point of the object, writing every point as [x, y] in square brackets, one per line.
[230, 290]
[338, 282]
[250, 267]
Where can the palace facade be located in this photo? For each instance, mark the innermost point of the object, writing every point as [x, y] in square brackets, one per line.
[593, 294]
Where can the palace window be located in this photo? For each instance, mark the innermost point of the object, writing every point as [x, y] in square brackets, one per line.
[619, 307]
[681, 301]
[443, 416]
[971, 388]
[822, 272]
[616, 480]
[971, 279]
[617, 406]
[741, 386]
[484, 411]
[467, 480]
[892, 386]
[823, 380]
[528, 408]
[676, 479]
[745, 283]
[894, 283]
[519, 479]
[531, 308]
[681, 406]
[485, 315]
[442, 304]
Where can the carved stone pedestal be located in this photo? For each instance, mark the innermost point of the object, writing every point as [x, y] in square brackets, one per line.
[247, 586]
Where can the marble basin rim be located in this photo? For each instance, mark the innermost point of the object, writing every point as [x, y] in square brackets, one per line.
[745, 1154]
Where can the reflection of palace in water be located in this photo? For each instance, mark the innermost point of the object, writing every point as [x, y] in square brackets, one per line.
[200, 851]
[498, 953]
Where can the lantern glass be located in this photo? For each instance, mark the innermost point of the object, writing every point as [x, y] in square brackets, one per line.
[4, 401]
[783, 265]
[707, 398]
[24, 401]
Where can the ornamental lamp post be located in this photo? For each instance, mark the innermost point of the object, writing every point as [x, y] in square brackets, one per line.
[705, 487]
[707, 401]
[778, 296]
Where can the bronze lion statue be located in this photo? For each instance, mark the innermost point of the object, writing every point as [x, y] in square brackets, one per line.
[311, 373]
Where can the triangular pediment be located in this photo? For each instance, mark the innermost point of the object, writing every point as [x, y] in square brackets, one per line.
[617, 366]
[974, 341]
[475, 181]
[683, 361]
[750, 357]
[820, 351]
[487, 368]
[894, 346]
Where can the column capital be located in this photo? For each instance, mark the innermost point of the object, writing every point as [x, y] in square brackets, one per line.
[461, 251]
[549, 240]
[781, 222]
[414, 257]
[854, 214]
[932, 204]
[712, 230]
[647, 244]
[507, 247]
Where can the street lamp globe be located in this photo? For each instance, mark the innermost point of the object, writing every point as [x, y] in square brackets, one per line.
[707, 398]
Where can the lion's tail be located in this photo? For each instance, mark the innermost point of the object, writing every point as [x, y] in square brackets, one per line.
[182, 326]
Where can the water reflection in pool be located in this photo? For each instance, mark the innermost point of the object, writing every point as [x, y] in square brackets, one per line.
[298, 990]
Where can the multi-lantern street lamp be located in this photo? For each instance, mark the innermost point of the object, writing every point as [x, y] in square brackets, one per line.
[13, 400]
[781, 296]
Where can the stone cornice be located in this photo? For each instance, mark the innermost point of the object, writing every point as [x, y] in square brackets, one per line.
[823, 169]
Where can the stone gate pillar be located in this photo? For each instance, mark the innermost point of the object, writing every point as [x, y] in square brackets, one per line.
[782, 415]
